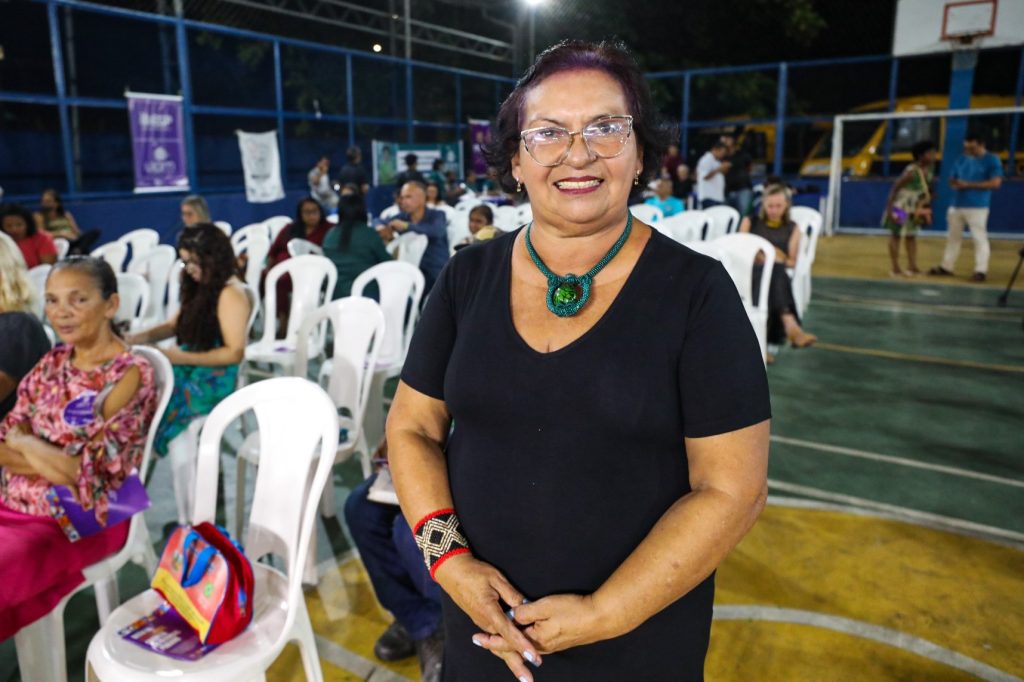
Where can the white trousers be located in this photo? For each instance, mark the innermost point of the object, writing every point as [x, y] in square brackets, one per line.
[975, 219]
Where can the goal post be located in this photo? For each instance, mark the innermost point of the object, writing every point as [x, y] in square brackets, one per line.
[843, 123]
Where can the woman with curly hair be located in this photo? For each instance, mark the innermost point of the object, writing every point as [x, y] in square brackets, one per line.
[210, 330]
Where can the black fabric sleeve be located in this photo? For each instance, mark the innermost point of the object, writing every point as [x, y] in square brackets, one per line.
[24, 342]
[433, 340]
[722, 381]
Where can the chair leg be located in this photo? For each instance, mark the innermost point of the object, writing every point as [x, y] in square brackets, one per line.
[327, 504]
[40, 647]
[107, 597]
[303, 633]
[182, 455]
[241, 466]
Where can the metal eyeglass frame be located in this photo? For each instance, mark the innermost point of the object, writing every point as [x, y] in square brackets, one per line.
[568, 149]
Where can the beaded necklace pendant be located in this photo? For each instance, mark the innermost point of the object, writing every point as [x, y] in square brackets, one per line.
[567, 294]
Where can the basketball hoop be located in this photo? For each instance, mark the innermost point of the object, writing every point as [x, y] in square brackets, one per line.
[966, 22]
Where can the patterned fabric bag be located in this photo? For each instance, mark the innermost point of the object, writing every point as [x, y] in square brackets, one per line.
[206, 577]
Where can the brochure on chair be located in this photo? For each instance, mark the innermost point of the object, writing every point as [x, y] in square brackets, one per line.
[168, 634]
[78, 523]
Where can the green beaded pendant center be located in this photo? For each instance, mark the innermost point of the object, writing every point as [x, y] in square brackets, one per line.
[565, 294]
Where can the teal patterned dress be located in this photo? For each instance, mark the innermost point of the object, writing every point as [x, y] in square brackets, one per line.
[197, 390]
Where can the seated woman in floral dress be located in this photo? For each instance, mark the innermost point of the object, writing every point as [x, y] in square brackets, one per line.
[81, 421]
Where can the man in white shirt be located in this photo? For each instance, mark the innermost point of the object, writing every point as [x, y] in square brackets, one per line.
[320, 184]
[711, 170]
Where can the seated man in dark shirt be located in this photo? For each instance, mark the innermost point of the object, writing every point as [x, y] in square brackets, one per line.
[416, 217]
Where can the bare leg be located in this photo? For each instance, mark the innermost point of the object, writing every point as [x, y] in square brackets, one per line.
[795, 333]
[911, 242]
[894, 255]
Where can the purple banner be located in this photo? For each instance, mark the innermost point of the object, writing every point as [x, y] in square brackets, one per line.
[480, 135]
[158, 143]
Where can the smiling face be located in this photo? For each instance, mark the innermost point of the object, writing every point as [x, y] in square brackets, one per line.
[583, 190]
[76, 308]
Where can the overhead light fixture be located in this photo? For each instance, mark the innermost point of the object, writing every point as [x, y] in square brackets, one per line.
[377, 47]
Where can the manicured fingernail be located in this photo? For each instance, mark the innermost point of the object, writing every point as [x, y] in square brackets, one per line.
[477, 642]
[522, 678]
[528, 656]
[511, 613]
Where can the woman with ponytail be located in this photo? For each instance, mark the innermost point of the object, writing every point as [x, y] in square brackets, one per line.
[352, 245]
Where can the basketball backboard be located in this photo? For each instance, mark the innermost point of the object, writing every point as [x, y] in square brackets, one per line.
[930, 26]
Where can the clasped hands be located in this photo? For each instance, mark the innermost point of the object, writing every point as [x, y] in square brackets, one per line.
[530, 629]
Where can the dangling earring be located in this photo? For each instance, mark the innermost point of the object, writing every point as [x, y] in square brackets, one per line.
[519, 186]
[636, 178]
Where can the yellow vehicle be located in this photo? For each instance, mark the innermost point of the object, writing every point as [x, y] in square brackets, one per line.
[864, 141]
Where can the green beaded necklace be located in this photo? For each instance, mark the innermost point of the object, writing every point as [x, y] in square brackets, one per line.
[567, 294]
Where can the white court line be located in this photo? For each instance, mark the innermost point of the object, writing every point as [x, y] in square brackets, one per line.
[902, 461]
[819, 505]
[365, 669]
[876, 633]
[943, 522]
[894, 306]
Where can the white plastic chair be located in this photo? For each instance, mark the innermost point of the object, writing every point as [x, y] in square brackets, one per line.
[409, 247]
[524, 213]
[298, 429]
[114, 253]
[224, 226]
[400, 286]
[458, 230]
[649, 214]
[738, 253]
[506, 218]
[253, 241]
[275, 225]
[313, 279]
[155, 266]
[174, 289]
[139, 241]
[466, 204]
[63, 246]
[390, 212]
[358, 325]
[810, 223]
[722, 220]
[303, 247]
[40, 646]
[685, 227]
[134, 293]
[37, 279]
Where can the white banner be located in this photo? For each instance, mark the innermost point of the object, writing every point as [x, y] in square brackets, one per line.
[261, 165]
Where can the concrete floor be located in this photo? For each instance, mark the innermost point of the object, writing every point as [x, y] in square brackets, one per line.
[893, 544]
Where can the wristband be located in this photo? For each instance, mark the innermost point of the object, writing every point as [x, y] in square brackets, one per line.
[439, 536]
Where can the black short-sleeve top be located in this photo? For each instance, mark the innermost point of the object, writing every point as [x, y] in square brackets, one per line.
[560, 463]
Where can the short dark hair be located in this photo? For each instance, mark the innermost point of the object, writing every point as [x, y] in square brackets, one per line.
[352, 153]
[921, 148]
[610, 57]
[486, 210]
[718, 144]
[411, 159]
[975, 136]
[418, 183]
[24, 214]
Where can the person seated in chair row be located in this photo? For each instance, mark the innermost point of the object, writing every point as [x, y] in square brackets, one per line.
[664, 200]
[80, 420]
[416, 217]
[352, 245]
[57, 221]
[37, 247]
[774, 224]
[210, 329]
[22, 339]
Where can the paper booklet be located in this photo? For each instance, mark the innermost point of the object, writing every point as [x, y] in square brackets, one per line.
[167, 633]
[383, 489]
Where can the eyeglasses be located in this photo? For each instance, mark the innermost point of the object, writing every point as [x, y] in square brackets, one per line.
[605, 138]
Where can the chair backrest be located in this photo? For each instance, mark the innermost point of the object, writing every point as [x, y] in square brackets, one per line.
[458, 229]
[738, 254]
[303, 247]
[140, 241]
[722, 220]
[390, 212]
[224, 226]
[410, 247]
[313, 279]
[358, 334]
[649, 214]
[401, 288]
[447, 209]
[332, 219]
[809, 221]
[506, 218]
[685, 227]
[275, 224]
[253, 241]
[163, 374]
[254, 307]
[155, 266]
[707, 248]
[63, 246]
[466, 204]
[298, 438]
[134, 292]
[37, 280]
[114, 253]
[174, 289]
[524, 213]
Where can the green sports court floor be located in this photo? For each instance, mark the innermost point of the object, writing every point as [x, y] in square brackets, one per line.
[893, 544]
